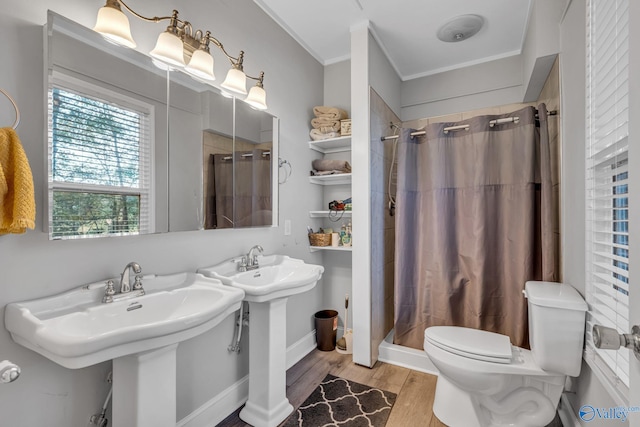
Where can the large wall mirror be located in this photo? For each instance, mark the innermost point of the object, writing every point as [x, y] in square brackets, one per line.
[135, 149]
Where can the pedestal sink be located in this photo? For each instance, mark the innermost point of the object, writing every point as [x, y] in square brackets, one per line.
[75, 329]
[267, 289]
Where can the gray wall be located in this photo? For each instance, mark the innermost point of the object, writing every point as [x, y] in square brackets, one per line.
[31, 266]
[383, 78]
[479, 86]
[337, 85]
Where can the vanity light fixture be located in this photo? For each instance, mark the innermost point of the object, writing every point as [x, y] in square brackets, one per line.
[179, 46]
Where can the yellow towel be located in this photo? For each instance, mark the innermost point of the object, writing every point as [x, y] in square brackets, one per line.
[17, 201]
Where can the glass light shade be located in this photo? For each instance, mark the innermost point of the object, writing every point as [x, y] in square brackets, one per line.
[113, 24]
[236, 81]
[169, 49]
[257, 98]
[201, 65]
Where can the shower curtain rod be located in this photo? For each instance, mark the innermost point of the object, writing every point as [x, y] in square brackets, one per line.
[446, 130]
[264, 154]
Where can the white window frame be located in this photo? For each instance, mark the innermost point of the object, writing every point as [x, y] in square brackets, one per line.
[147, 168]
[607, 135]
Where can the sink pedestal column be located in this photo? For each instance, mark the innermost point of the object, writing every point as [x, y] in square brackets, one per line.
[144, 389]
[268, 405]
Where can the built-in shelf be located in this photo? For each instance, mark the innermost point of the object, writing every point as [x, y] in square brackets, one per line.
[330, 248]
[333, 145]
[332, 214]
[335, 179]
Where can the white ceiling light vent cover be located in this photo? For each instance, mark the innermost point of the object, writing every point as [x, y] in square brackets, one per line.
[460, 28]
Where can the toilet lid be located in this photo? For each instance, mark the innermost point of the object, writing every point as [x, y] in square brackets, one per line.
[471, 343]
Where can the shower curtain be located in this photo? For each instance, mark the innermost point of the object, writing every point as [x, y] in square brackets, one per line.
[223, 190]
[475, 220]
[252, 189]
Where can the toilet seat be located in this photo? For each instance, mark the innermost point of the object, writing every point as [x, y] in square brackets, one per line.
[471, 343]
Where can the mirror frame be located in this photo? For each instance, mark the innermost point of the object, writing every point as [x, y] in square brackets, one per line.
[59, 23]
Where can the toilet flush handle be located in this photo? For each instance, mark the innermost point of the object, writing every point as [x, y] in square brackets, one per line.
[9, 371]
[608, 339]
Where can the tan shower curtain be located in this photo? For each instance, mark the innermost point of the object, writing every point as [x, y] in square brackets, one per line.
[223, 185]
[475, 220]
[252, 189]
[261, 195]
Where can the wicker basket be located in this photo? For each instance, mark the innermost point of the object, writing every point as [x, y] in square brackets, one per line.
[320, 239]
[345, 127]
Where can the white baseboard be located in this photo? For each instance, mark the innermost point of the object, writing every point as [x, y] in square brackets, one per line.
[567, 414]
[301, 348]
[220, 406]
[217, 409]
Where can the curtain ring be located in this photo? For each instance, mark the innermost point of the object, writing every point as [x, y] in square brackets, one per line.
[15, 106]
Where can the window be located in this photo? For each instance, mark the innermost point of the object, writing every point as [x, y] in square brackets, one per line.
[99, 163]
[607, 174]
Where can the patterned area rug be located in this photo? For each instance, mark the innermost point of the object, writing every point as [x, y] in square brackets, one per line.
[339, 402]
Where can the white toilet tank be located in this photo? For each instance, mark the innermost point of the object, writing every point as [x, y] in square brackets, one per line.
[556, 326]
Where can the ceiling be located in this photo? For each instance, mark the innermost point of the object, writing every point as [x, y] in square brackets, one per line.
[405, 30]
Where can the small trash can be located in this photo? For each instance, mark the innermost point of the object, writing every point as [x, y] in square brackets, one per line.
[326, 329]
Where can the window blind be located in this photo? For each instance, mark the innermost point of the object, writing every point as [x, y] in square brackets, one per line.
[99, 165]
[607, 182]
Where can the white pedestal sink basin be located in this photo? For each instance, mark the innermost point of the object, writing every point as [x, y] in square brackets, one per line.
[267, 289]
[75, 329]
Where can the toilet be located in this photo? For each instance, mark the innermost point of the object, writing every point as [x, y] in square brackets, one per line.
[484, 381]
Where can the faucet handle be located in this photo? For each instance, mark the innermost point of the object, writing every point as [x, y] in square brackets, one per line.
[137, 284]
[109, 292]
[242, 265]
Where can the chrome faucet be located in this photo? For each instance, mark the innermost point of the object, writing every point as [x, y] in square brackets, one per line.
[252, 260]
[125, 283]
[125, 289]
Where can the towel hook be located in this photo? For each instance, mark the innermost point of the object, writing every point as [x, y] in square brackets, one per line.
[15, 106]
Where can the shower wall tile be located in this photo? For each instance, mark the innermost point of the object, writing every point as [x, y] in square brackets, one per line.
[377, 252]
[377, 214]
[382, 231]
[389, 245]
[389, 308]
[554, 146]
[389, 271]
[378, 128]
[378, 182]
[481, 112]
[378, 105]
[506, 109]
[556, 199]
[550, 95]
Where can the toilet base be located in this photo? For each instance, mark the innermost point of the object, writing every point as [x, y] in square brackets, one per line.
[453, 406]
[525, 402]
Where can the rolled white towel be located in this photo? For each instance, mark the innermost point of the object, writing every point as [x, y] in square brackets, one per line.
[326, 125]
[317, 135]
